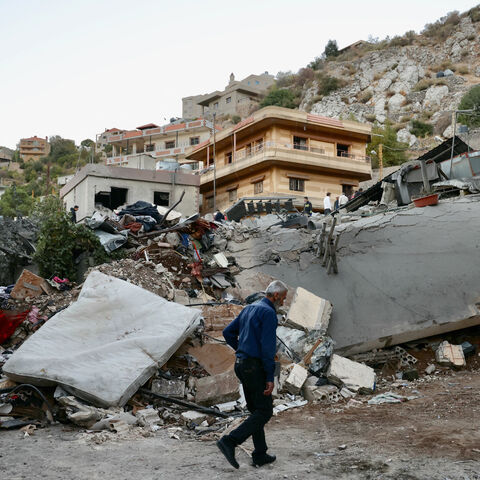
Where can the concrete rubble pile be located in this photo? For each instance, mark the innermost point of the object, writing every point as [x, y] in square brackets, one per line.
[139, 344]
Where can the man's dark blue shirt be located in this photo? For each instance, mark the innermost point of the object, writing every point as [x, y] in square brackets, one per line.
[253, 334]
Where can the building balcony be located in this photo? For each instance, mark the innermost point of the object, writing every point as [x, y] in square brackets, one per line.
[170, 129]
[301, 157]
[122, 159]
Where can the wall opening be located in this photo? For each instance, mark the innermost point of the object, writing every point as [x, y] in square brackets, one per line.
[112, 199]
[161, 198]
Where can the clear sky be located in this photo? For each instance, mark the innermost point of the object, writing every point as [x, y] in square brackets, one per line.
[76, 67]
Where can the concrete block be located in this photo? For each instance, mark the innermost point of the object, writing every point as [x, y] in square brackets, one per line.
[325, 393]
[217, 388]
[355, 376]
[193, 416]
[148, 417]
[295, 380]
[309, 312]
[221, 260]
[172, 388]
[450, 355]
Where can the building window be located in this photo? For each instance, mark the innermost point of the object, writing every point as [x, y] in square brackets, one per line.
[209, 201]
[257, 82]
[342, 150]
[228, 158]
[170, 144]
[259, 145]
[297, 184]
[150, 147]
[194, 140]
[300, 143]
[215, 105]
[113, 198]
[228, 99]
[248, 150]
[258, 187]
[232, 195]
[161, 198]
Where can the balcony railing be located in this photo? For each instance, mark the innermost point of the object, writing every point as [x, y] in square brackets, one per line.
[242, 154]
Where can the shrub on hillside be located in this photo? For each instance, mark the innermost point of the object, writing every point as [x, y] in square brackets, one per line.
[471, 100]
[420, 129]
[280, 98]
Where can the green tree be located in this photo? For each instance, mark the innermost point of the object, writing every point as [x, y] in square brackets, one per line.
[331, 49]
[280, 98]
[60, 240]
[61, 147]
[87, 143]
[394, 152]
[471, 100]
[16, 201]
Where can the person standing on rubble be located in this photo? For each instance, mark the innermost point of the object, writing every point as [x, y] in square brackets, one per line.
[253, 337]
[307, 207]
[327, 204]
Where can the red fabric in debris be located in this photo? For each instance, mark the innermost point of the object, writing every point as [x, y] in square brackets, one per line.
[134, 227]
[9, 322]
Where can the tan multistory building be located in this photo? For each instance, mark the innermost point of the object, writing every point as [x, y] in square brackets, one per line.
[237, 99]
[283, 152]
[33, 148]
[150, 144]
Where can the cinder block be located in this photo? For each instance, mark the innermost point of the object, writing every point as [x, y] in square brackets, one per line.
[355, 376]
[217, 388]
[295, 380]
[172, 388]
[309, 312]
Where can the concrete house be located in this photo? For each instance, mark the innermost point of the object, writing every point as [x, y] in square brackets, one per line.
[278, 151]
[238, 98]
[100, 185]
[33, 148]
[149, 144]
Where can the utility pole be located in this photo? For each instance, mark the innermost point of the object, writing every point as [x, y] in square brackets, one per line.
[214, 166]
[380, 161]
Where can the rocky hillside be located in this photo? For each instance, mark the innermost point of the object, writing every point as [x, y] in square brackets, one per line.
[399, 80]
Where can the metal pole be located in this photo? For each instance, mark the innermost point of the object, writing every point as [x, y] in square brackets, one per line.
[214, 167]
[380, 162]
[453, 141]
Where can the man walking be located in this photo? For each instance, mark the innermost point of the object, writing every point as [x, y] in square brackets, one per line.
[327, 204]
[253, 337]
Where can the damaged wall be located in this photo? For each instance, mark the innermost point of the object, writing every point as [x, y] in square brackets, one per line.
[402, 275]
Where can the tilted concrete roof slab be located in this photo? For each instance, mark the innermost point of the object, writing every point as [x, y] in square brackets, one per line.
[403, 275]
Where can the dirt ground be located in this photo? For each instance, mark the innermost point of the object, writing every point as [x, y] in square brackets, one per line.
[436, 436]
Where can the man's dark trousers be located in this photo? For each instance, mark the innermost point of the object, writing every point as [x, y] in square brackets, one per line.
[252, 375]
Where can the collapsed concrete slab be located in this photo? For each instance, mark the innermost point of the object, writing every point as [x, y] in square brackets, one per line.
[107, 344]
[355, 376]
[214, 358]
[309, 312]
[295, 380]
[403, 275]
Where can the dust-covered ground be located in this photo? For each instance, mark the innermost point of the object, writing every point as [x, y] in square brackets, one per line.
[436, 436]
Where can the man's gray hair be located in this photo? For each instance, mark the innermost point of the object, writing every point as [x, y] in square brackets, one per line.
[276, 287]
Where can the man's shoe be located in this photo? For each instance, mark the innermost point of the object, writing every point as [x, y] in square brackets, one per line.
[263, 460]
[228, 449]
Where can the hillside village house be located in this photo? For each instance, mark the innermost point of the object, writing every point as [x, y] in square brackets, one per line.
[97, 185]
[149, 144]
[33, 148]
[238, 98]
[278, 151]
